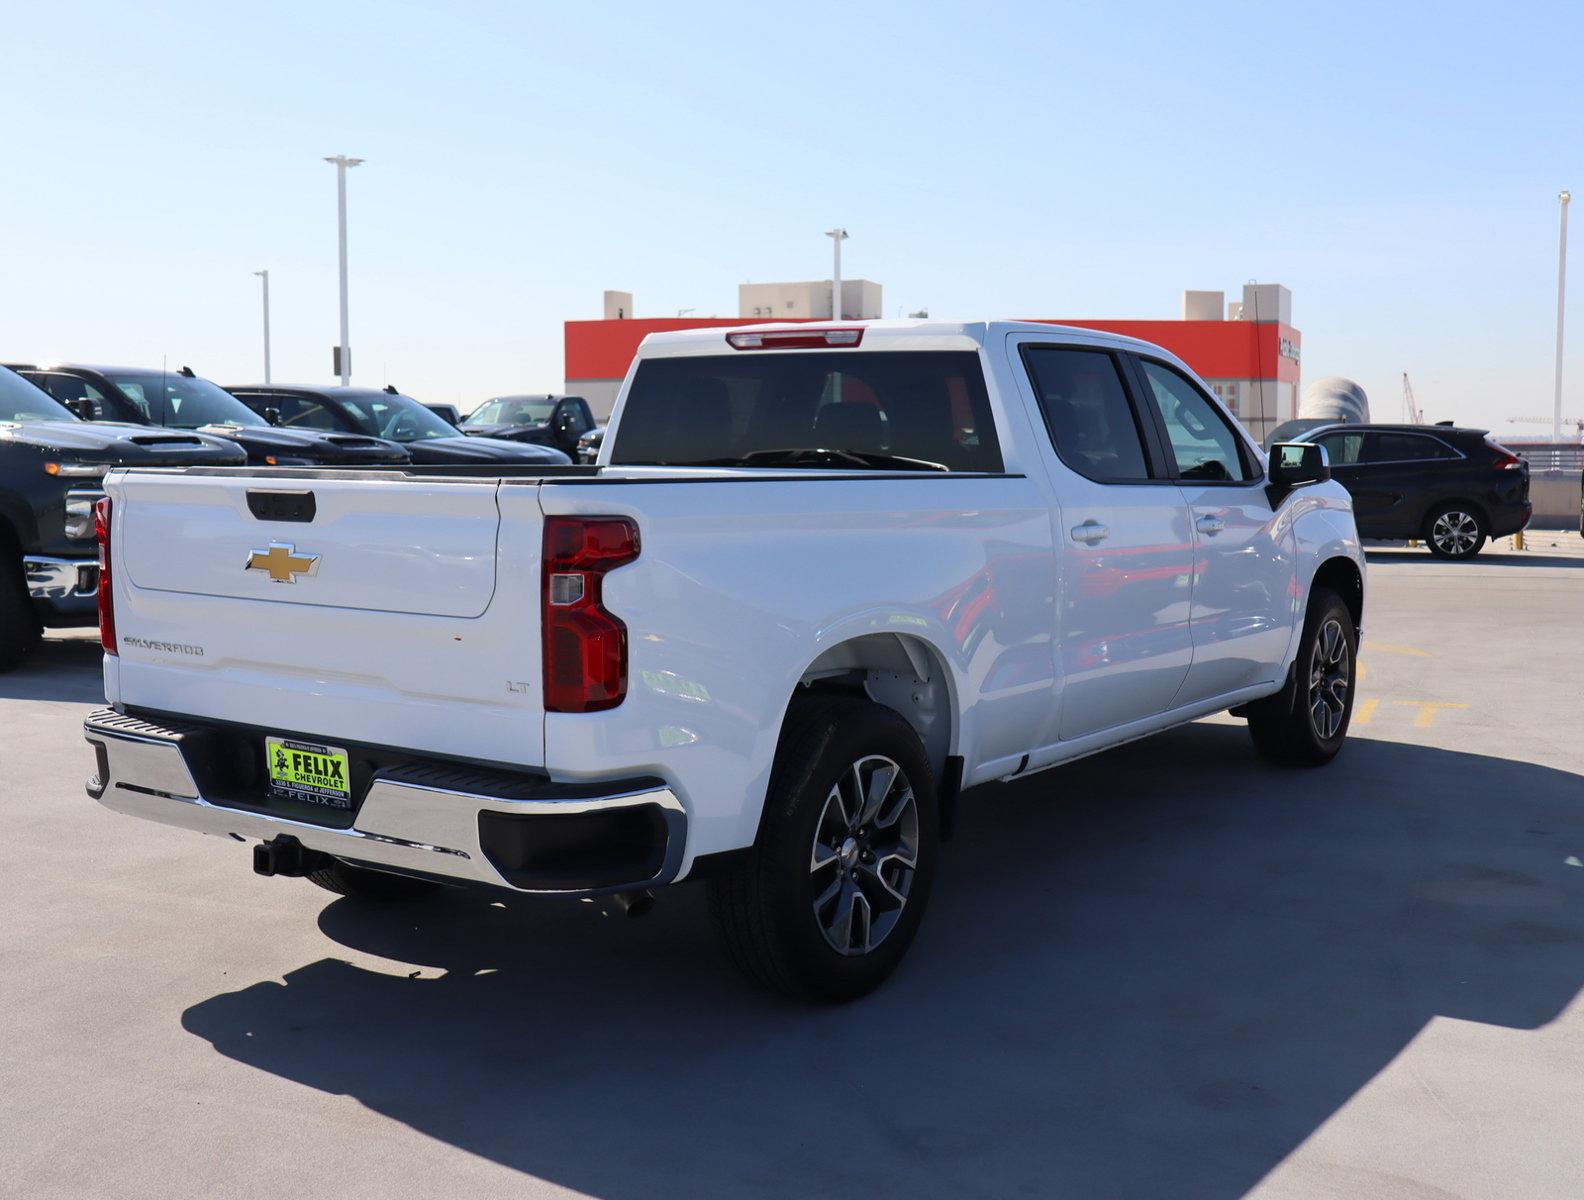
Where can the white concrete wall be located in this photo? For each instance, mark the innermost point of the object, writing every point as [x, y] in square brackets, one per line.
[808, 299]
[1267, 302]
[1555, 496]
[600, 393]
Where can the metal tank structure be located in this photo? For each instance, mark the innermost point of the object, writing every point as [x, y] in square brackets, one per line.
[1334, 399]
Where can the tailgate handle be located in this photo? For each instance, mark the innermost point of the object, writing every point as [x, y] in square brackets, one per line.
[282, 506]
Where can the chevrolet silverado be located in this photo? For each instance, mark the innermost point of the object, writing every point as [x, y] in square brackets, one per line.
[823, 579]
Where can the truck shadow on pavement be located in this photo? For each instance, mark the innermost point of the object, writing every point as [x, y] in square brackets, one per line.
[1153, 973]
[62, 668]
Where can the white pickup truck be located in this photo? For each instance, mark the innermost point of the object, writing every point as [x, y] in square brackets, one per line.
[822, 579]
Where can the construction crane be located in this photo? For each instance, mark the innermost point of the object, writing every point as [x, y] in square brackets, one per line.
[1576, 422]
[1410, 406]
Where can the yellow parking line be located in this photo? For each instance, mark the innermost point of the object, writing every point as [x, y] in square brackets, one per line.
[1366, 710]
[1390, 648]
[1427, 710]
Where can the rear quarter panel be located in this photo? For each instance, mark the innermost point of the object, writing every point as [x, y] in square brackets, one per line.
[742, 584]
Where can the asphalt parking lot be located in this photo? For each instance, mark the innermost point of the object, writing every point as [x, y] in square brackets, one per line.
[1168, 971]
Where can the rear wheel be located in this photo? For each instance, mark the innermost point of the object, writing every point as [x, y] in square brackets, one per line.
[829, 899]
[20, 627]
[362, 883]
[1455, 531]
[1305, 724]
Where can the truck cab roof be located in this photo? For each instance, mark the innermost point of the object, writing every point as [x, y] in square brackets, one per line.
[914, 334]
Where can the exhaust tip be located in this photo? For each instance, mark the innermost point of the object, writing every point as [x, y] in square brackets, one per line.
[636, 904]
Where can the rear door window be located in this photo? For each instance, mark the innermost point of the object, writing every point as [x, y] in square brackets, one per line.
[1405, 447]
[852, 410]
[1091, 421]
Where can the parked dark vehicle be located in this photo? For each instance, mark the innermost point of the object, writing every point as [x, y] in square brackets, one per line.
[1452, 487]
[385, 414]
[589, 444]
[1291, 431]
[547, 420]
[446, 412]
[181, 400]
[51, 468]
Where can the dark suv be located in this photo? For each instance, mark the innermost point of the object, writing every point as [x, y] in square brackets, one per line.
[387, 414]
[52, 467]
[1452, 487]
[181, 400]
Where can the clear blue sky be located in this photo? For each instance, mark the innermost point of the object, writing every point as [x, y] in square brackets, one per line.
[1395, 165]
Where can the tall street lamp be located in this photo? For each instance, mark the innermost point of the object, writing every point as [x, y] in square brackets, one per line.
[838, 236]
[264, 275]
[343, 354]
[1563, 198]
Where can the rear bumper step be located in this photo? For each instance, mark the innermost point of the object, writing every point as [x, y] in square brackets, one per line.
[518, 833]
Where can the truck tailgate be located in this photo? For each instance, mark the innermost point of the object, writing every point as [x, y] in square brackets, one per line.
[381, 610]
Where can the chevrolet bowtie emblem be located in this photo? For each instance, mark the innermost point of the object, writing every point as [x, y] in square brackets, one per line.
[283, 562]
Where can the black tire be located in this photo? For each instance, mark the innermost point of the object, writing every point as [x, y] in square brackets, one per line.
[1455, 530]
[363, 883]
[20, 628]
[766, 910]
[1286, 727]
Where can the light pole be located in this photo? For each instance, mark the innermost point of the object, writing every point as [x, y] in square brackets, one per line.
[343, 356]
[838, 236]
[264, 275]
[1563, 197]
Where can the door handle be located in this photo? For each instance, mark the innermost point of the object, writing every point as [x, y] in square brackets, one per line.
[1211, 525]
[1090, 533]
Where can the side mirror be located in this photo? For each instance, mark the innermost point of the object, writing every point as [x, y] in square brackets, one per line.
[1296, 464]
[82, 409]
[271, 416]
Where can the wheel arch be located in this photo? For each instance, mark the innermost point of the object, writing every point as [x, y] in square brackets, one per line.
[905, 673]
[1342, 575]
[18, 529]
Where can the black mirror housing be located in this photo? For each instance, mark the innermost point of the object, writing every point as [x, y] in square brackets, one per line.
[271, 416]
[82, 409]
[1295, 465]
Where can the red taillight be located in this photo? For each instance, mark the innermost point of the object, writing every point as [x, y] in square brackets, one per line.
[795, 339]
[107, 635]
[585, 647]
[1505, 459]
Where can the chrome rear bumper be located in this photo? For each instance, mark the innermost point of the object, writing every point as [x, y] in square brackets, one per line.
[60, 578]
[422, 819]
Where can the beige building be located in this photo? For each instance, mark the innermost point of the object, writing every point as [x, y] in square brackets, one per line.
[808, 300]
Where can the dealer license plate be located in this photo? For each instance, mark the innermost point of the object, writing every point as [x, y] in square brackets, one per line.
[308, 771]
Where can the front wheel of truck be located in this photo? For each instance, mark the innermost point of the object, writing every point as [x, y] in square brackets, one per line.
[827, 902]
[1305, 724]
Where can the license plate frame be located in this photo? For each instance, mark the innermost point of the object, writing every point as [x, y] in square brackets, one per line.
[308, 772]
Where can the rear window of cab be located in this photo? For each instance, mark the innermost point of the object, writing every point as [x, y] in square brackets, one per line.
[869, 409]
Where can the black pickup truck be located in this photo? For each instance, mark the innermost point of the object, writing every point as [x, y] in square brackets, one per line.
[51, 468]
[546, 420]
[182, 400]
